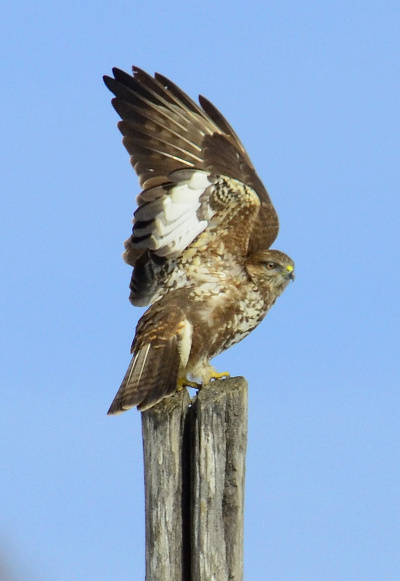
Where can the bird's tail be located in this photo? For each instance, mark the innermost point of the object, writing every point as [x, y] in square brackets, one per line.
[152, 375]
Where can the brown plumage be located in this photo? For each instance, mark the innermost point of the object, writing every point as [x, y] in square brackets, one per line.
[200, 240]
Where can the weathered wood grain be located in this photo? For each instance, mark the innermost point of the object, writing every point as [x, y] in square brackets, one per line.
[218, 477]
[163, 429]
[194, 458]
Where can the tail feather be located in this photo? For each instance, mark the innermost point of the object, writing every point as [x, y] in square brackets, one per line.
[152, 375]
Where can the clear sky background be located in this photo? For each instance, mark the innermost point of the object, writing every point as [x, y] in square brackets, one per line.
[312, 89]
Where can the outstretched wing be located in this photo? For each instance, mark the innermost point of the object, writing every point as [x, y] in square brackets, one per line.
[195, 175]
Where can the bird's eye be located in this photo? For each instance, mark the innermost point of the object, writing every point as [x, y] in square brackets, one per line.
[270, 265]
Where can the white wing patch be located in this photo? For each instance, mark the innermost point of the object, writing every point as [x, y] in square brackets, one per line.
[185, 343]
[167, 221]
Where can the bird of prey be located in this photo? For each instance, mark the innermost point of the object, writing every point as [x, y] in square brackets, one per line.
[200, 244]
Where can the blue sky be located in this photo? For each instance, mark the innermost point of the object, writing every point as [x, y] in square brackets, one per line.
[312, 89]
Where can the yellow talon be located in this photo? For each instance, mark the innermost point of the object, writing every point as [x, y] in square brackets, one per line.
[216, 375]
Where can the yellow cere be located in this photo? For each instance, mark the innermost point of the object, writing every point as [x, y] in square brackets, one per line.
[289, 268]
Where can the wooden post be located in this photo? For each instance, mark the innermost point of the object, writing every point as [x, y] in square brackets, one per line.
[218, 457]
[194, 458]
[165, 481]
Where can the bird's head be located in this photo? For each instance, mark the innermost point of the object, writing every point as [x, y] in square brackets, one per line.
[270, 268]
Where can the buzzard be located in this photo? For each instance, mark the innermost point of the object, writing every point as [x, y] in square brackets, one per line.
[200, 241]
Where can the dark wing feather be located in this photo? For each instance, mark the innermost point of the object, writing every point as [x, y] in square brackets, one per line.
[158, 126]
[165, 130]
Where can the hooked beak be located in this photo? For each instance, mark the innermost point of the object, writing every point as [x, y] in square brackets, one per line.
[290, 272]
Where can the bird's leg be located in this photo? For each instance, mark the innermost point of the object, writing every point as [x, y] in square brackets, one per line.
[183, 382]
[209, 374]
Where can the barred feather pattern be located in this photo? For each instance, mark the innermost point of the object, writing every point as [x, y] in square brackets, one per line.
[200, 240]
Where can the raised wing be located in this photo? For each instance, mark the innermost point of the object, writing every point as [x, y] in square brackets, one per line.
[187, 158]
